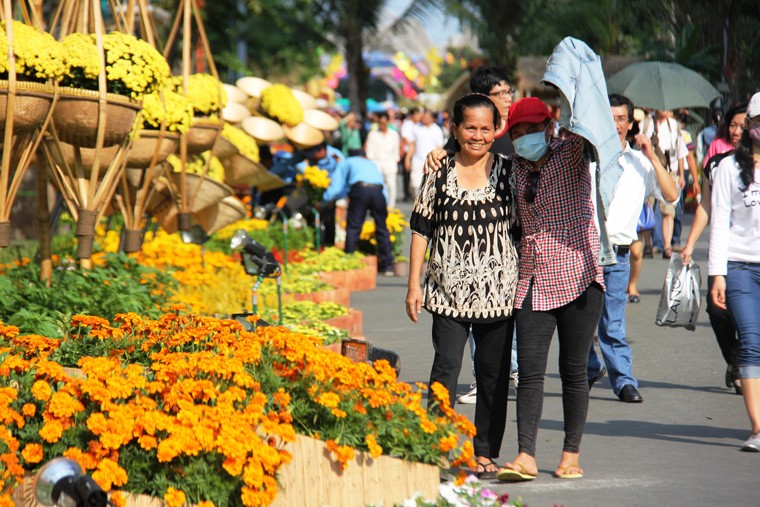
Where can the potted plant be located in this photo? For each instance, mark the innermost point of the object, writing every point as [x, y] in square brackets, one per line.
[165, 115]
[133, 68]
[208, 97]
[39, 58]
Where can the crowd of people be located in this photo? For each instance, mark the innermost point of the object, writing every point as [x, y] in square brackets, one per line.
[535, 227]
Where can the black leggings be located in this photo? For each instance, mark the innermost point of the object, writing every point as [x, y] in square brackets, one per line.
[723, 327]
[576, 323]
[493, 351]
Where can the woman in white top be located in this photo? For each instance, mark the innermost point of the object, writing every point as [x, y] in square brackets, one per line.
[734, 257]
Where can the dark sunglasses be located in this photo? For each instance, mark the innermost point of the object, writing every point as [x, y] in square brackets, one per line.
[532, 189]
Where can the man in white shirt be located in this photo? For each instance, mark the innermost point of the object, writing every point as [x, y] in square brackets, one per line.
[643, 176]
[673, 147]
[428, 136]
[383, 148]
[407, 144]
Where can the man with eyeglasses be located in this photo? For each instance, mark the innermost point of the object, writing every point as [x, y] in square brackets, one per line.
[643, 176]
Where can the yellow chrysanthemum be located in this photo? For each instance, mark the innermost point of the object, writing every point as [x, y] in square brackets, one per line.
[279, 103]
[245, 144]
[204, 91]
[38, 55]
[168, 107]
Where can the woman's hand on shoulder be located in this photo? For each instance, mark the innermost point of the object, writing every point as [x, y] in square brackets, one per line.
[434, 160]
[414, 302]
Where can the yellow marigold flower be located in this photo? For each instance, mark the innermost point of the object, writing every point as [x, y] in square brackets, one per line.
[32, 453]
[41, 390]
[174, 497]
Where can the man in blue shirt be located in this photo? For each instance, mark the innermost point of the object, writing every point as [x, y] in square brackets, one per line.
[361, 180]
[326, 158]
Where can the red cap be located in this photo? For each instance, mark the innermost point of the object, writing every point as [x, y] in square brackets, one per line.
[527, 109]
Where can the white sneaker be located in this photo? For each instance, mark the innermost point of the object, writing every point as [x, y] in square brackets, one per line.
[514, 378]
[752, 444]
[470, 396]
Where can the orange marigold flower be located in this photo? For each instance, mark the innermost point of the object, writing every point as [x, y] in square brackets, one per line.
[41, 390]
[51, 431]
[206, 503]
[339, 413]
[64, 405]
[29, 409]
[32, 453]
[118, 500]
[329, 400]
[174, 497]
[109, 474]
[448, 443]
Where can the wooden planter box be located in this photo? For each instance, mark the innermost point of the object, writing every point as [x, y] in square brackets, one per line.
[337, 295]
[351, 322]
[314, 479]
[354, 279]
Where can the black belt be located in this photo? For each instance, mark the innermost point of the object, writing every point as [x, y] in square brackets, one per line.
[367, 185]
[622, 249]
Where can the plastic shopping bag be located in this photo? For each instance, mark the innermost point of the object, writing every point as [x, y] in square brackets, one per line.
[680, 298]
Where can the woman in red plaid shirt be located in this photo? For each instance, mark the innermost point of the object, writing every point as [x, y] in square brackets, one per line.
[560, 284]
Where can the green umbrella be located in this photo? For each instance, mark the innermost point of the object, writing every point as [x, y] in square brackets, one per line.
[662, 85]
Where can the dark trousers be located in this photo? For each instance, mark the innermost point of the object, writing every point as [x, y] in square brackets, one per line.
[723, 327]
[493, 351]
[575, 324]
[327, 217]
[405, 180]
[360, 200]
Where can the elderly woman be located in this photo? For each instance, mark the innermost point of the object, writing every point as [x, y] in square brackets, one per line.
[464, 213]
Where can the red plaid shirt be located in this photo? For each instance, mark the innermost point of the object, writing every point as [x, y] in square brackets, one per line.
[559, 248]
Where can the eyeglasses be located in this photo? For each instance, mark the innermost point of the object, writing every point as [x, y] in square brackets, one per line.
[503, 94]
[532, 189]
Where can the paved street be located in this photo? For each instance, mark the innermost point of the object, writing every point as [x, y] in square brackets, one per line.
[678, 448]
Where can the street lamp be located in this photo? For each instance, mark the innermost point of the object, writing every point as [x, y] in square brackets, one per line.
[259, 263]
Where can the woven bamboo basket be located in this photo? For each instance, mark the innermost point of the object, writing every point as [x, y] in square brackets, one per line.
[201, 194]
[225, 212]
[320, 120]
[144, 147]
[263, 130]
[224, 149]
[303, 136]
[201, 135]
[32, 105]
[66, 157]
[241, 170]
[76, 117]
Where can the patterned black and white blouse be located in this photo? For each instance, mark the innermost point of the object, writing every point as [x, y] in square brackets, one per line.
[472, 271]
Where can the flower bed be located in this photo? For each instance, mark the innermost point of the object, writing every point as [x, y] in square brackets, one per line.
[195, 409]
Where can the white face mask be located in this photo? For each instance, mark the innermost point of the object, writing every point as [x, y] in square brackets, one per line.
[531, 146]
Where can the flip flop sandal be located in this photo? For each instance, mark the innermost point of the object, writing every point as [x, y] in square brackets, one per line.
[564, 474]
[516, 474]
[487, 475]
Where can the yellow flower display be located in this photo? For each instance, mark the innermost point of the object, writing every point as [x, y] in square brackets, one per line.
[245, 144]
[204, 91]
[315, 181]
[38, 55]
[279, 103]
[133, 67]
[168, 107]
[396, 223]
[197, 165]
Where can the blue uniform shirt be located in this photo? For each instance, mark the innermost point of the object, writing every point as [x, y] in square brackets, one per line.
[329, 163]
[351, 171]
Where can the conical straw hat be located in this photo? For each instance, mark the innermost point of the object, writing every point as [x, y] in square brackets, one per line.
[303, 98]
[227, 211]
[262, 129]
[252, 86]
[235, 94]
[319, 120]
[303, 136]
[235, 112]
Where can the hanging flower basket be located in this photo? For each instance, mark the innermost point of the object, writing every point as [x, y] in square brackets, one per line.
[202, 135]
[32, 105]
[66, 157]
[227, 211]
[76, 117]
[145, 146]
